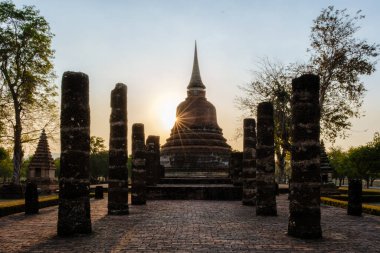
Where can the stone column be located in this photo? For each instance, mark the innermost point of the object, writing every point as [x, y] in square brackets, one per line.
[249, 162]
[236, 168]
[305, 213]
[138, 165]
[354, 197]
[266, 185]
[74, 184]
[99, 192]
[162, 171]
[118, 157]
[153, 159]
[31, 198]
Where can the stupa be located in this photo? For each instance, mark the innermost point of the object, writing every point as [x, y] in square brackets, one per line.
[326, 169]
[196, 146]
[41, 169]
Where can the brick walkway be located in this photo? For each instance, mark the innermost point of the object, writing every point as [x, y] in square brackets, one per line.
[189, 226]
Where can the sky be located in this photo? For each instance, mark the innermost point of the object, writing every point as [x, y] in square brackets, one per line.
[149, 46]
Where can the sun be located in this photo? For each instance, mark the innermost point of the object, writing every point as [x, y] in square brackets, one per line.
[165, 109]
[168, 117]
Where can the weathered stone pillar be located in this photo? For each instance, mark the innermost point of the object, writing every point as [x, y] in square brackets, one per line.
[74, 184]
[138, 165]
[236, 168]
[99, 192]
[249, 162]
[305, 213]
[354, 197]
[266, 185]
[152, 160]
[118, 157]
[31, 198]
[162, 171]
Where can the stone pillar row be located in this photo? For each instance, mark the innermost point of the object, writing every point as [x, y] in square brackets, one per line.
[74, 184]
[305, 215]
[259, 186]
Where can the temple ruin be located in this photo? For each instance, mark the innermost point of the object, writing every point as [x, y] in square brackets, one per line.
[196, 146]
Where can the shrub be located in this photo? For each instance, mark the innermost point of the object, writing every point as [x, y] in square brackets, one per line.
[370, 209]
[365, 198]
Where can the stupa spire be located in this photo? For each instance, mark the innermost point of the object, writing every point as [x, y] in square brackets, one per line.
[195, 80]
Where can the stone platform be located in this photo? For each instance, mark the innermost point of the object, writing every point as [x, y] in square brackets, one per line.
[195, 180]
[195, 188]
[189, 226]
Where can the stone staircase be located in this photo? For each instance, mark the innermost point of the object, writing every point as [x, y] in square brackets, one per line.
[194, 188]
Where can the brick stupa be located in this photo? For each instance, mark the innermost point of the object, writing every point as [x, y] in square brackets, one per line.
[196, 146]
[41, 169]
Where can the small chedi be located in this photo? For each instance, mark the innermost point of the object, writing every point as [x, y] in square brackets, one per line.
[196, 146]
[41, 169]
[326, 170]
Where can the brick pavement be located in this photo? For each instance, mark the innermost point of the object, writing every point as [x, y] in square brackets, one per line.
[189, 226]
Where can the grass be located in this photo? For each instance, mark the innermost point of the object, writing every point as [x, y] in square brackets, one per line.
[344, 189]
[18, 202]
[18, 206]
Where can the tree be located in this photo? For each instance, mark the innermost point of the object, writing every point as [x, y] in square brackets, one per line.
[97, 145]
[272, 82]
[26, 71]
[339, 58]
[5, 164]
[372, 160]
[339, 162]
[57, 163]
[99, 165]
[364, 161]
[359, 165]
[98, 158]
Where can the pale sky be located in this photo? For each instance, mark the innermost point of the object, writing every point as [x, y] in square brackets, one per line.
[148, 45]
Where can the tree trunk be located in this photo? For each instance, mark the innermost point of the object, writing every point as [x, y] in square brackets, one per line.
[281, 165]
[17, 148]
